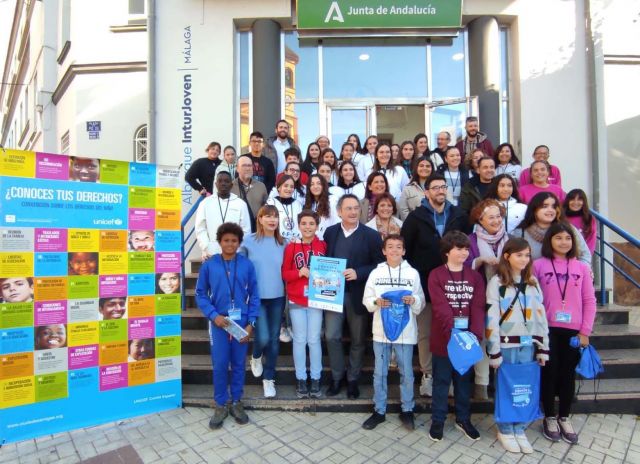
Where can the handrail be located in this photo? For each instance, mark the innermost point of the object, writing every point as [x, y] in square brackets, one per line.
[183, 242]
[621, 232]
[602, 222]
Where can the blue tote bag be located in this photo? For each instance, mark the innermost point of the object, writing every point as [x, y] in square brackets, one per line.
[518, 393]
[396, 317]
[463, 350]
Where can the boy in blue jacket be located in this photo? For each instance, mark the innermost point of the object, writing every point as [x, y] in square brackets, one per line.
[227, 288]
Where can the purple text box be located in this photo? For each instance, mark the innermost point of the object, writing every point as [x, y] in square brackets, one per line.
[141, 327]
[142, 219]
[167, 261]
[50, 166]
[50, 312]
[51, 240]
[114, 376]
[113, 285]
[83, 356]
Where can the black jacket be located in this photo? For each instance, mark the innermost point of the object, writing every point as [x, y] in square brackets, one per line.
[365, 256]
[263, 171]
[470, 194]
[422, 241]
[201, 172]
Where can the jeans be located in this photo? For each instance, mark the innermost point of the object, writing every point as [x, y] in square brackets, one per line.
[424, 334]
[267, 335]
[306, 324]
[443, 374]
[516, 355]
[333, 334]
[404, 357]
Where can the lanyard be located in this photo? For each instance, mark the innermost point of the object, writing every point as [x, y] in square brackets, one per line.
[455, 283]
[563, 291]
[227, 273]
[399, 274]
[453, 186]
[225, 210]
[286, 213]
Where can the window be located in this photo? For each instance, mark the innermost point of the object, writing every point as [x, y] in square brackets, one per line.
[64, 144]
[140, 154]
[504, 84]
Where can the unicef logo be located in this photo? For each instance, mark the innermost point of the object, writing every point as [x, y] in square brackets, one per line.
[118, 222]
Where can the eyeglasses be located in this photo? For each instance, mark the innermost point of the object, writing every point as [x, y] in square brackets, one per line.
[256, 141]
[439, 187]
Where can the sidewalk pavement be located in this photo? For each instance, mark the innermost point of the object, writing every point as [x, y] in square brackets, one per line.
[183, 436]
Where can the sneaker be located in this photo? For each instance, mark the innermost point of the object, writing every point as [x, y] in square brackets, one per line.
[269, 387]
[334, 388]
[373, 421]
[406, 418]
[436, 431]
[426, 385]
[220, 413]
[566, 430]
[301, 389]
[480, 393]
[237, 412]
[285, 334]
[315, 391]
[468, 429]
[524, 444]
[509, 442]
[256, 366]
[550, 429]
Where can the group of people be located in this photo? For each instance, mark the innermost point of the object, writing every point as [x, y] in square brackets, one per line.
[479, 243]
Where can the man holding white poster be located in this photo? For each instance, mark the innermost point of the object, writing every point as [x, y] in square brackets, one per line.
[361, 246]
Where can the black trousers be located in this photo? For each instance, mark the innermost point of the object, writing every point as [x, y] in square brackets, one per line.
[559, 373]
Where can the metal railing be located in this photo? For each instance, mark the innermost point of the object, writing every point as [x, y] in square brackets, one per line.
[601, 253]
[183, 245]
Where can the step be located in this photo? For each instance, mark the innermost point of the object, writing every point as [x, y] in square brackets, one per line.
[615, 336]
[620, 396]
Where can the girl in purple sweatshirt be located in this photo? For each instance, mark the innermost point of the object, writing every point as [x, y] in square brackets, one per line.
[569, 300]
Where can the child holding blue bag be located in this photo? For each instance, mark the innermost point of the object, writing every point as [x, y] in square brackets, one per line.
[516, 333]
[570, 302]
[394, 295]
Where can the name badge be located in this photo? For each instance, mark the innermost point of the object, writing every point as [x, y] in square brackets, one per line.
[234, 313]
[306, 290]
[461, 323]
[563, 317]
[526, 340]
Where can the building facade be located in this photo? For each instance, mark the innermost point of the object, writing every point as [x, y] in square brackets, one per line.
[177, 75]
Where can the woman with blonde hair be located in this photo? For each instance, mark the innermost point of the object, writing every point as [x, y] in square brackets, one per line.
[265, 249]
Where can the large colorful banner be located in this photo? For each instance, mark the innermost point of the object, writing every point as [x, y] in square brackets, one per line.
[89, 292]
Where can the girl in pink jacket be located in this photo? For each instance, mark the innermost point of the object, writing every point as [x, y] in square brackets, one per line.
[569, 300]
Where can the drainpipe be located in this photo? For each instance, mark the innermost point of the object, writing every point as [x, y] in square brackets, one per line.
[151, 76]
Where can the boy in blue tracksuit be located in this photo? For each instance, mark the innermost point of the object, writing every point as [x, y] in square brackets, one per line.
[227, 288]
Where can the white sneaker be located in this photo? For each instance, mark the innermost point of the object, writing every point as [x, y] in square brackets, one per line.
[256, 366]
[509, 442]
[285, 335]
[426, 385]
[269, 387]
[524, 444]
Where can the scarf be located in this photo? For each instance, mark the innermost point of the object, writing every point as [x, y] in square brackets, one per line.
[384, 231]
[536, 232]
[491, 245]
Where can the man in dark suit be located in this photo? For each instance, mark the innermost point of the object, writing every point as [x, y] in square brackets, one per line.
[361, 246]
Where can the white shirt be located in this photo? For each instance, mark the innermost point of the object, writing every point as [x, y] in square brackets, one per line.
[280, 147]
[212, 213]
[348, 233]
[364, 165]
[513, 170]
[397, 179]
[288, 217]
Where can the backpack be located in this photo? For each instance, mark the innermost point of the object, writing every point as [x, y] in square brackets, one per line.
[463, 350]
[590, 367]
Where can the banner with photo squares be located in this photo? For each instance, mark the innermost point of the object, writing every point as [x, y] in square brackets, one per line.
[89, 291]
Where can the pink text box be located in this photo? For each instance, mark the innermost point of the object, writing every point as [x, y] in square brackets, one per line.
[141, 327]
[142, 219]
[167, 261]
[50, 312]
[114, 376]
[51, 240]
[113, 285]
[83, 356]
[50, 166]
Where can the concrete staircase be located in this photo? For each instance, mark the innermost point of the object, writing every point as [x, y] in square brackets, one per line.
[616, 337]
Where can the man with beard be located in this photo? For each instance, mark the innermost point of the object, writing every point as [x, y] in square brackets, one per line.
[276, 145]
[474, 139]
[422, 231]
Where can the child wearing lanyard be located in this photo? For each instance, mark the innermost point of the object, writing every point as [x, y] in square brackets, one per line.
[306, 322]
[570, 302]
[517, 328]
[458, 300]
[227, 290]
[394, 274]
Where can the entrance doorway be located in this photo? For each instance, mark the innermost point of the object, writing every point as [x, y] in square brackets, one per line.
[395, 122]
